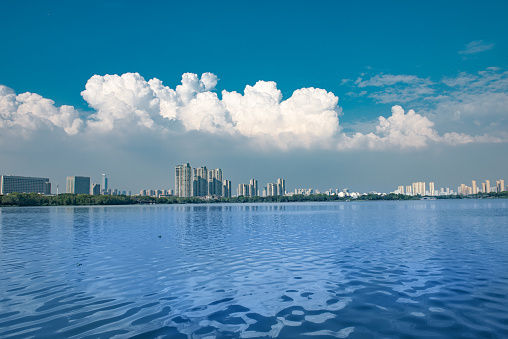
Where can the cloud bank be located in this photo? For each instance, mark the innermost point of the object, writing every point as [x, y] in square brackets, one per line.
[128, 103]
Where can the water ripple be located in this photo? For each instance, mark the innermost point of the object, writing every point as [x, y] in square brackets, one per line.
[336, 270]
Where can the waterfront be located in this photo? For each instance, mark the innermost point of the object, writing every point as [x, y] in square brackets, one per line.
[341, 269]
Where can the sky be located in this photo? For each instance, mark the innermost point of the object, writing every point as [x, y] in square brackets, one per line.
[365, 95]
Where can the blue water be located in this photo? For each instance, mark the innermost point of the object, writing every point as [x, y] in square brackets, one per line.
[422, 269]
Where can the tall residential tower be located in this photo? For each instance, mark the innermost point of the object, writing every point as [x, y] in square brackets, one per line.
[183, 180]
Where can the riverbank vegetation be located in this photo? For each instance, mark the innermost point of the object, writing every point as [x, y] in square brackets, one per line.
[34, 199]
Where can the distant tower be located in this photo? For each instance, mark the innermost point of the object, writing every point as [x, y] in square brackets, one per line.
[215, 182]
[408, 190]
[183, 180]
[271, 189]
[253, 186]
[487, 184]
[78, 185]
[431, 188]
[401, 189]
[200, 182]
[104, 182]
[281, 186]
[473, 186]
[96, 189]
[226, 189]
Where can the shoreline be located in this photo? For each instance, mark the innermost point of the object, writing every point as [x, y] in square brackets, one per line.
[37, 200]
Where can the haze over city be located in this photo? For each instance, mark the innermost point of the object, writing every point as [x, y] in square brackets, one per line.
[324, 96]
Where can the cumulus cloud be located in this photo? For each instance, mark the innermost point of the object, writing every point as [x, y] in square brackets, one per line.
[308, 117]
[30, 111]
[127, 104]
[476, 47]
[400, 130]
[409, 131]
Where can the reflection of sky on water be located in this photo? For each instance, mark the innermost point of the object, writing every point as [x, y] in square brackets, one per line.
[259, 269]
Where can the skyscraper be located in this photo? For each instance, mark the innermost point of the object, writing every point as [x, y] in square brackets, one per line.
[408, 190]
[271, 189]
[431, 188]
[104, 182]
[501, 186]
[78, 185]
[244, 190]
[253, 186]
[401, 189]
[215, 182]
[473, 186]
[487, 186]
[200, 182]
[281, 186]
[183, 180]
[96, 189]
[226, 189]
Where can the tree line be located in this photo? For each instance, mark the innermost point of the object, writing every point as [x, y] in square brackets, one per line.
[68, 199]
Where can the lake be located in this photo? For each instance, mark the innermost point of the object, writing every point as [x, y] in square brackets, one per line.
[385, 269]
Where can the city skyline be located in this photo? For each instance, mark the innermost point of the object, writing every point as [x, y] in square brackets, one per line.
[330, 94]
[191, 181]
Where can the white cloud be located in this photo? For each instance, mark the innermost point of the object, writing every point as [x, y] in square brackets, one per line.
[128, 104]
[400, 130]
[409, 131]
[395, 88]
[381, 80]
[476, 47]
[307, 118]
[30, 111]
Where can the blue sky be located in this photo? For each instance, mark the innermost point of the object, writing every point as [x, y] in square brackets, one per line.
[446, 61]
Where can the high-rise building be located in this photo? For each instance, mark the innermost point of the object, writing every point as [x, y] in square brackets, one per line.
[408, 190]
[487, 186]
[11, 184]
[484, 188]
[104, 182]
[226, 189]
[502, 187]
[473, 187]
[244, 190]
[431, 188]
[401, 189]
[183, 180]
[253, 187]
[419, 188]
[281, 186]
[200, 182]
[215, 182]
[78, 185]
[96, 189]
[271, 189]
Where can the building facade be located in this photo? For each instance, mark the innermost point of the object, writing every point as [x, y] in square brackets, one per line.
[281, 186]
[253, 186]
[200, 182]
[12, 183]
[78, 185]
[215, 182]
[183, 180]
[226, 189]
[96, 189]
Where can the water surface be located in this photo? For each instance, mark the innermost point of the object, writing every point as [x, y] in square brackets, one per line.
[348, 270]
